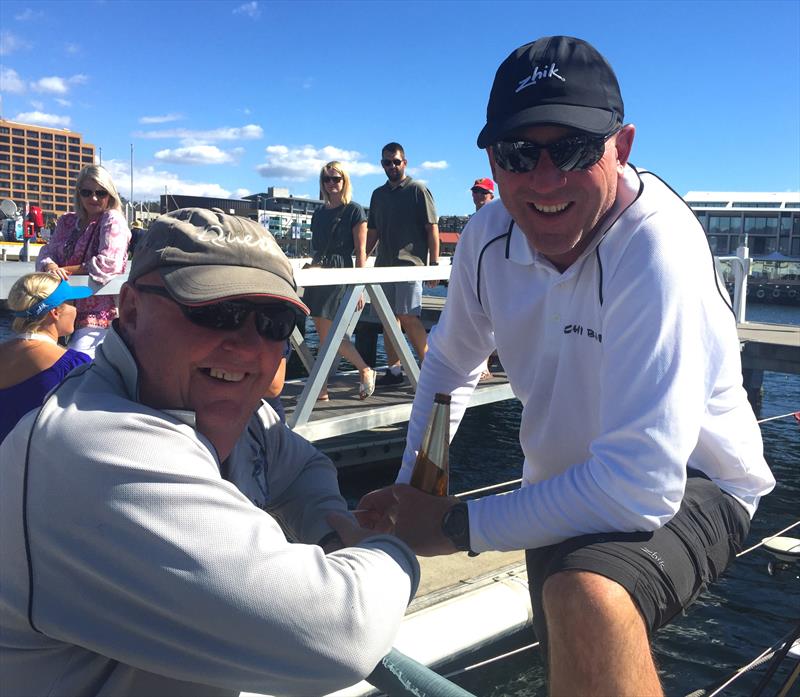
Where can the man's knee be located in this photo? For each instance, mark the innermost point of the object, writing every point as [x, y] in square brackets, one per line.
[577, 598]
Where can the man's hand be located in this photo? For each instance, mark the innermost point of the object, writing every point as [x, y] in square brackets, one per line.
[349, 532]
[415, 516]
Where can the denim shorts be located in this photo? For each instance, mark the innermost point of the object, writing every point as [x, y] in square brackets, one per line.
[663, 570]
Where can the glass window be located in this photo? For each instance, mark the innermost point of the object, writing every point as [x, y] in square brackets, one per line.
[33, 151]
[18, 141]
[47, 136]
[61, 139]
[4, 130]
[17, 148]
[46, 145]
[18, 131]
[72, 139]
[5, 139]
[47, 170]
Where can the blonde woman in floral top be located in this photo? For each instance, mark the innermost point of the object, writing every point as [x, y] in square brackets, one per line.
[94, 241]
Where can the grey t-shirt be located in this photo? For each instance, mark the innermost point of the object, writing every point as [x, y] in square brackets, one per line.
[400, 215]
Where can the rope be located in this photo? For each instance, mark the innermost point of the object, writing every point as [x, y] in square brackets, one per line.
[767, 539]
[492, 660]
[489, 488]
[783, 644]
[796, 415]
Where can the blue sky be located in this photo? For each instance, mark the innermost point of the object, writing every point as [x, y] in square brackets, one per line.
[228, 98]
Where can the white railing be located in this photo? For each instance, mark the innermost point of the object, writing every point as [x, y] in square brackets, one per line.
[358, 282]
[741, 270]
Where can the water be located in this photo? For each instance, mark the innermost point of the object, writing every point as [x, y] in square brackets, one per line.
[730, 624]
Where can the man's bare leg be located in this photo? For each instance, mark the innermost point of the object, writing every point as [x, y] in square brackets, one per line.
[415, 331]
[598, 643]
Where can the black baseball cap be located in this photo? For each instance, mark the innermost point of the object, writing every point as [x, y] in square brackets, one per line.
[557, 80]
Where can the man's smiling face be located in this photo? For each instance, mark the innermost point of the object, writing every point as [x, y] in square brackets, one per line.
[221, 375]
[558, 211]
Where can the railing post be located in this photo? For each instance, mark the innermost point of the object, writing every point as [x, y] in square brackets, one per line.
[741, 272]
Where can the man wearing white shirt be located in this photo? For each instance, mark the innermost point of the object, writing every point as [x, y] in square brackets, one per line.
[594, 282]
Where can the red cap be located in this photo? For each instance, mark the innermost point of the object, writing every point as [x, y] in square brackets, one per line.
[486, 184]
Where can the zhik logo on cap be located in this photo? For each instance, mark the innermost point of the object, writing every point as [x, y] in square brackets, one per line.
[536, 75]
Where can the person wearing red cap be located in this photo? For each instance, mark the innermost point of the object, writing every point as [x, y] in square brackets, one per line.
[643, 460]
[482, 192]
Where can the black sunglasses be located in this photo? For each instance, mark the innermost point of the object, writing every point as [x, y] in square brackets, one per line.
[388, 163]
[328, 179]
[273, 322]
[574, 152]
[88, 193]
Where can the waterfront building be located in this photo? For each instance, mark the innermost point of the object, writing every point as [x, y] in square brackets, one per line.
[767, 222]
[39, 165]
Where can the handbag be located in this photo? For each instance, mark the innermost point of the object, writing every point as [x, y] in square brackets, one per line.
[328, 259]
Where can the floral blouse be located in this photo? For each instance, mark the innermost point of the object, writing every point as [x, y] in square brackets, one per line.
[103, 247]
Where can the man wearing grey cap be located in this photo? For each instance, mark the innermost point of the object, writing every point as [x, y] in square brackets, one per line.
[162, 532]
[594, 282]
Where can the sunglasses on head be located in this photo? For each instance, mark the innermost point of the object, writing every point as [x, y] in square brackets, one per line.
[327, 179]
[273, 322]
[388, 163]
[571, 153]
[88, 193]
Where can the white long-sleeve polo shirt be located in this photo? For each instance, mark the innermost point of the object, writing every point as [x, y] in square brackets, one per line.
[627, 366]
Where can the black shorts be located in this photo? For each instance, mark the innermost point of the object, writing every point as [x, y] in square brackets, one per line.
[664, 570]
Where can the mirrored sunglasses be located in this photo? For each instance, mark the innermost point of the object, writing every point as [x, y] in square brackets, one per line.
[88, 193]
[273, 322]
[388, 163]
[574, 152]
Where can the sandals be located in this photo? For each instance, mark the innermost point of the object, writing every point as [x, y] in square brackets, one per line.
[365, 389]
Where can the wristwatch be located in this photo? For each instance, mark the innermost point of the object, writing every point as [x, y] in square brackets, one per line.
[455, 526]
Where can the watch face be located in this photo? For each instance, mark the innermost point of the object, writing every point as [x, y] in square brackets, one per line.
[455, 525]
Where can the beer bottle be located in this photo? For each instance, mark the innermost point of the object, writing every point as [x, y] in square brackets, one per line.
[431, 470]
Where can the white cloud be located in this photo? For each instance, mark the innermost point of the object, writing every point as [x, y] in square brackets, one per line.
[189, 137]
[28, 14]
[196, 155]
[296, 164]
[149, 182]
[11, 42]
[439, 164]
[250, 9]
[57, 85]
[42, 119]
[10, 81]
[164, 118]
[241, 193]
[72, 49]
[63, 102]
[36, 104]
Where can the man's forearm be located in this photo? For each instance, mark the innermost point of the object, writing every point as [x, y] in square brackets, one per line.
[433, 242]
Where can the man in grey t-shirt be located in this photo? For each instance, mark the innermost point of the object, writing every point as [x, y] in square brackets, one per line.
[402, 219]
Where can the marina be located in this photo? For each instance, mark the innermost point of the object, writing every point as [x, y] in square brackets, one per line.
[466, 607]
